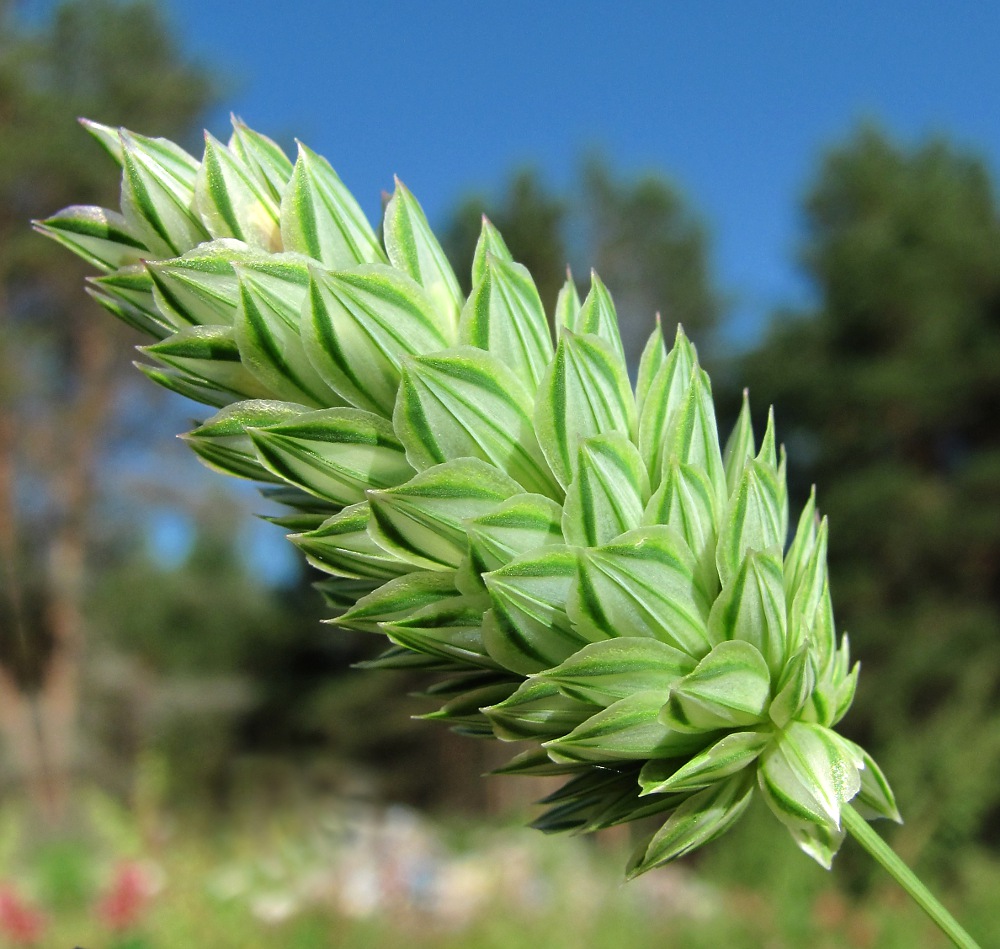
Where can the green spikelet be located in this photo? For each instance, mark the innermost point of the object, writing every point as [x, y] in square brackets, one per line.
[597, 577]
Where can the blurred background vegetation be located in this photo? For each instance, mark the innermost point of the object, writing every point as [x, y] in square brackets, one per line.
[186, 754]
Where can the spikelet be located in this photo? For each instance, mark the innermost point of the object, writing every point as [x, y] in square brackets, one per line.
[590, 571]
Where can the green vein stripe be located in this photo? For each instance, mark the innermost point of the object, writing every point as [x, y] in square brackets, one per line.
[265, 340]
[142, 198]
[219, 191]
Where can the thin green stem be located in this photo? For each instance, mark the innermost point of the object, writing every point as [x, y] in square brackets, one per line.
[862, 832]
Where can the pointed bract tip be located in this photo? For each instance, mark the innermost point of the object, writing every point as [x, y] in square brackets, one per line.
[212, 141]
[634, 868]
[91, 125]
[303, 151]
[315, 269]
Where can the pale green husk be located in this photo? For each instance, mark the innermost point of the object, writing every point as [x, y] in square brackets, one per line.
[589, 571]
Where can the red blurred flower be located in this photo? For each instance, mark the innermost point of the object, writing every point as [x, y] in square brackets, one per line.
[127, 899]
[20, 922]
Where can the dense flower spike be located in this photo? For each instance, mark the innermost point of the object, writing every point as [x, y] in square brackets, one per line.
[590, 570]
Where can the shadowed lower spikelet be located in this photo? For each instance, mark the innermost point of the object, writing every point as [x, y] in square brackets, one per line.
[589, 570]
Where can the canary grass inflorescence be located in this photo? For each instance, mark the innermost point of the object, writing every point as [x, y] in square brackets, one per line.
[590, 571]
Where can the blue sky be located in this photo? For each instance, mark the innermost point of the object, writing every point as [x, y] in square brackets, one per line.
[733, 100]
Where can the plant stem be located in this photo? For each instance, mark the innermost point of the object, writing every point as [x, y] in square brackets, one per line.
[862, 832]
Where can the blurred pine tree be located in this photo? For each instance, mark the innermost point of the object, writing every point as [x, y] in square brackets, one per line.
[889, 395]
[642, 236]
[61, 374]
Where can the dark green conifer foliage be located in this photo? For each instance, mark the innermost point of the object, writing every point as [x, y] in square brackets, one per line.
[888, 395]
